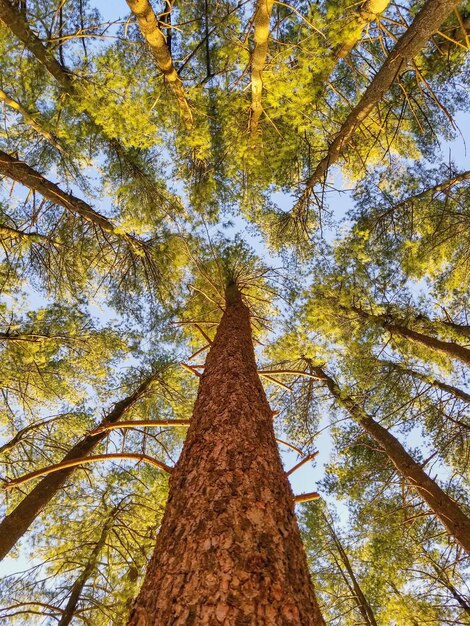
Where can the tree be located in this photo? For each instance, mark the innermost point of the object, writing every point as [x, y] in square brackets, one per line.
[151, 364]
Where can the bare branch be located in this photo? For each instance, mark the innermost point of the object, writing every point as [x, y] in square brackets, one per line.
[15, 482]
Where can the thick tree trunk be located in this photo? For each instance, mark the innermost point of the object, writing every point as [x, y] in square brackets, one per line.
[445, 508]
[14, 525]
[229, 549]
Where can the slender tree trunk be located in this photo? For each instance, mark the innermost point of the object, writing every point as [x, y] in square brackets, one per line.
[258, 58]
[425, 24]
[79, 584]
[14, 525]
[362, 603]
[30, 120]
[444, 580]
[27, 176]
[363, 15]
[445, 508]
[229, 549]
[148, 23]
[425, 378]
[17, 23]
[461, 329]
[449, 348]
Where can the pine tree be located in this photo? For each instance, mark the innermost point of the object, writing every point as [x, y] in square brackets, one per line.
[151, 364]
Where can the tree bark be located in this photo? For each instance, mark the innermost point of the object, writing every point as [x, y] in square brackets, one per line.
[426, 378]
[449, 348]
[445, 508]
[362, 602]
[364, 14]
[14, 525]
[30, 120]
[148, 24]
[17, 23]
[258, 58]
[22, 173]
[229, 549]
[79, 584]
[425, 24]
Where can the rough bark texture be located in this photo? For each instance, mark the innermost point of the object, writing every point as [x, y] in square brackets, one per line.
[14, 525]
[258, 58]
[148, 24]
[229, 550]
[425, 24]
[445, 508]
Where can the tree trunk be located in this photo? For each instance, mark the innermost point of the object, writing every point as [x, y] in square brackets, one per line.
[424, 25]
[229, 550]
[449, 348]
[17, 23]
[364, 14]
[259, 54]
[426, 378]
[445, 508]
[30, 120]
[149, 26]
[362, 602]
[79, 584]
[14, 525]
[27, 176]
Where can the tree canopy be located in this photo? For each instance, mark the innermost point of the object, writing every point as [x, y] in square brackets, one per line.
[314, 152]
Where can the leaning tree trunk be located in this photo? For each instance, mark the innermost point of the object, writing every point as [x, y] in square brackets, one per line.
[90, 566]
[446, 509]
[229, 550]
[16, 523]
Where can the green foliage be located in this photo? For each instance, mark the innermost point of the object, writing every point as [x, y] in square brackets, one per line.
[86, 314]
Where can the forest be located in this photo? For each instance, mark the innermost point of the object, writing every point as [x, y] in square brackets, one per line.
[234, 312]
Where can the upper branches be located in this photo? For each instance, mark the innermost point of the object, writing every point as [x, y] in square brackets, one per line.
[258, 58]
[148, 24]
[425, 24]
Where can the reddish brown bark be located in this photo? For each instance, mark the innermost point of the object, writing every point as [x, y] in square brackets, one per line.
[229, 550]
